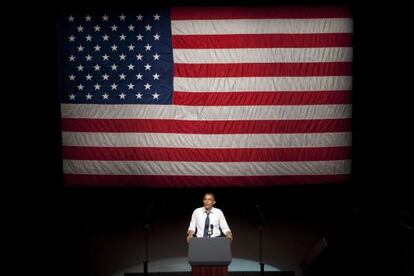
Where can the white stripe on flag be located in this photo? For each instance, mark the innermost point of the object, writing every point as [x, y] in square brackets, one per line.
[263, 84]
[263, 55]
[261, 26]
[175, 140]
[206, 168]
[179, 112]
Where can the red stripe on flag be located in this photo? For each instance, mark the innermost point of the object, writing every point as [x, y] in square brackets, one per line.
[263, 69]
[206, 155]
[262, 98]
[206, 127]
[173, 181]
[261, 41]
[190, 13]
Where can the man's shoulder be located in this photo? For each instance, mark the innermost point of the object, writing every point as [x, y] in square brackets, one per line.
[217, 210]
[200, 209]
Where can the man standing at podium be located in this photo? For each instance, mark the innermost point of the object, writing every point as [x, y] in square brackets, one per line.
[208, 221]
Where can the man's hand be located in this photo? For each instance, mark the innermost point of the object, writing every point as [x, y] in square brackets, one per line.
[229, 235]
[190, 234]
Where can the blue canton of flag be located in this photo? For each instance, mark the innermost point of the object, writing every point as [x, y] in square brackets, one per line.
[116, 59]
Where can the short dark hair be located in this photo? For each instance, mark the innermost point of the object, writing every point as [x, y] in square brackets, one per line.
[209, 193]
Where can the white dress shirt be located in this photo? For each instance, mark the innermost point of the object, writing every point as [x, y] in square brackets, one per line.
[216, 218]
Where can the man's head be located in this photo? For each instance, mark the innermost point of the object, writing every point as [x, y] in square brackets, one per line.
[209, 200]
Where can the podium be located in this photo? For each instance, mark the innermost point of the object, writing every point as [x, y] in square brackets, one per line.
[209, 256]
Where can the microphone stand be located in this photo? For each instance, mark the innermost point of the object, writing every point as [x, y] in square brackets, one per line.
[145, 263]
[260, 251]
[146, 222]
[260, 228]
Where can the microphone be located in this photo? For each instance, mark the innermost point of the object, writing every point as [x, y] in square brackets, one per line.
[211, 230]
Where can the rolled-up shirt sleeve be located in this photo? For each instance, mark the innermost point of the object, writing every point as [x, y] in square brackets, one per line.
[193, 221]
[223, 224]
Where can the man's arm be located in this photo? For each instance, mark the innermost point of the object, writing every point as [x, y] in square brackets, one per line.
[225, 227]
[191, 227]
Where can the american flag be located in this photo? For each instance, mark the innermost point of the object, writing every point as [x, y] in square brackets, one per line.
[201, 97]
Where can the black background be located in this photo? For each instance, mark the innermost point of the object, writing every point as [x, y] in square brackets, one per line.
[41, 208]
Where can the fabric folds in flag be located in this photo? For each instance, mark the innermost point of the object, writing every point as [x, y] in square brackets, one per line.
[206, 97]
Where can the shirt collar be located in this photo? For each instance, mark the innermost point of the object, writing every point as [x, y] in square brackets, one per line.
[211, 210]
